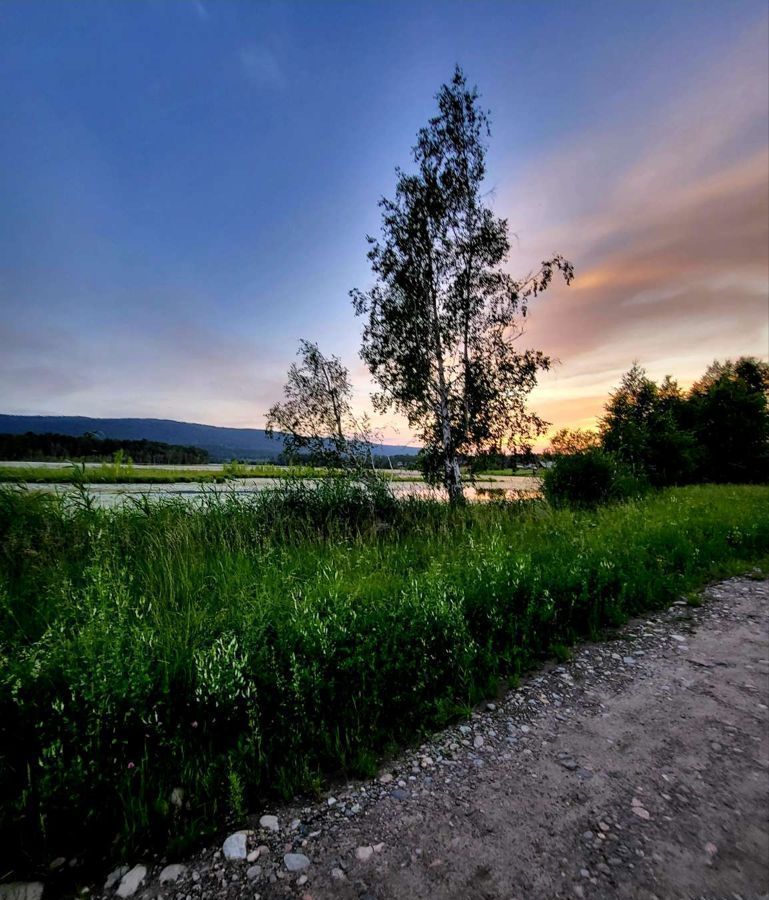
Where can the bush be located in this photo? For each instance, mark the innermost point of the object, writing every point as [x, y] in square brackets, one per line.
[589, 478]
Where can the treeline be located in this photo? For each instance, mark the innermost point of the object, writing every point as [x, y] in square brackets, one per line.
[90, 447]
[655, 435]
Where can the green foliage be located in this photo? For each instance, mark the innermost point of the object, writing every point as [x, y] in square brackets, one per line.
[729, 415]
[316, 418]
[441, 322]
[589, 477]
[718, 431]
[245, 646]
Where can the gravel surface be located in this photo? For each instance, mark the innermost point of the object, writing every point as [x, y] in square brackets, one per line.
[639, 768]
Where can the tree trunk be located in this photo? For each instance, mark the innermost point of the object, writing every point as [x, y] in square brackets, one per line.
[452, 478]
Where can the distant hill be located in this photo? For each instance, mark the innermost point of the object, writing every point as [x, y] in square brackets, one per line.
[220, 443]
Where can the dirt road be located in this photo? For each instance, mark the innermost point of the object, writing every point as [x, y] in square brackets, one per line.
[640, 768]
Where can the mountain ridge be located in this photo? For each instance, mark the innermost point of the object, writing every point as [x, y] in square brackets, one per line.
[221, 442]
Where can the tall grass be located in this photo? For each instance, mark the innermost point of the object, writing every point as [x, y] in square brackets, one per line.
[245, 647]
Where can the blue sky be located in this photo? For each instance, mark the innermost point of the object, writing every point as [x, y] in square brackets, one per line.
[185, 188]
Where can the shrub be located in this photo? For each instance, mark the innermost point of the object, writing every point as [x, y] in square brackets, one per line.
[588, 478]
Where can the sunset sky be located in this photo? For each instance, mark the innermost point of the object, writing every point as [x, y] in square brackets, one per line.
[185, 188]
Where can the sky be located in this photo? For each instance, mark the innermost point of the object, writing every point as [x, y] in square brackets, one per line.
[186, 187]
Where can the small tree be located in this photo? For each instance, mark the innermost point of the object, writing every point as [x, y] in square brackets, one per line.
[443, 317]
[316, 417]
[644, 425]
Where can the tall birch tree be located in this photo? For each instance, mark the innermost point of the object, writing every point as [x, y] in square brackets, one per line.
[443, 317]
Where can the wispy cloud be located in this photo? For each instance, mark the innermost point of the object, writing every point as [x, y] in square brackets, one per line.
[261, 66]
[670, 241]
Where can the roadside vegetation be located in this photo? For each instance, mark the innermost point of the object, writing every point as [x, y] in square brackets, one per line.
[246, 647]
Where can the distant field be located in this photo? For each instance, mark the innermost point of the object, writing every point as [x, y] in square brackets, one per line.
[107, 473]
[507, 473]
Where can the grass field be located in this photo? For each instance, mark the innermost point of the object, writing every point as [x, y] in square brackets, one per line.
[109, 473]
[246, 647]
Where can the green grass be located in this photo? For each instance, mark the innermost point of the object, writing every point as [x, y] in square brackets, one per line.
[110, 473]
[246, 647]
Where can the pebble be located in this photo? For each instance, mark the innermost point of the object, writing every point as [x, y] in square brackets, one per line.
[270, 823]
[364, 854]
[114, 876]
[478, 742]
[172, 873]
[296, 862]
[235, 846]
[253, 872]
[386, 778]
[130, 882]
[641, 813]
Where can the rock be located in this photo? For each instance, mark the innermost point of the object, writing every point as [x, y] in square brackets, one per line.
[21, 890]
[253, 855]
[129, 883]
[386, 778]
[253, 872]
[295, 862]
[628, 660]
[465, 729]
[478, 742]
[338, 875]
[235, 846]
[269, 822]
[177, 797]
[641, 813]
[491, 707]
[400, 794]
[711, 849]
[427, 761]
[56, 863]
[114, 876]
[525, 729]
[364, 854]
[172, 873]
[378, 848]
[331, 801]
[301, 881]
[569, 764]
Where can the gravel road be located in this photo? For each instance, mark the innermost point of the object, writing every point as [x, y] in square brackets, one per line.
[639, 768]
